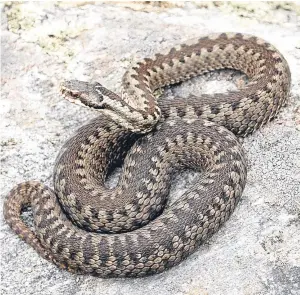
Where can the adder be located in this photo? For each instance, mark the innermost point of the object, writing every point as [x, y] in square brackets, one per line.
[86, 227]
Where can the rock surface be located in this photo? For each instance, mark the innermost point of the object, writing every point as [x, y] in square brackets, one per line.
[258, 250]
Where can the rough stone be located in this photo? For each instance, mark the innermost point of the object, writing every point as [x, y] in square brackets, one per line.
[258, 250]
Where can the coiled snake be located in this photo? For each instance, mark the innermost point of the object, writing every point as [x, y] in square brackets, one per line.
[85, 227]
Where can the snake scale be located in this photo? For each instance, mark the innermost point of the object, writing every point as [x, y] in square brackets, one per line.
[85, 227]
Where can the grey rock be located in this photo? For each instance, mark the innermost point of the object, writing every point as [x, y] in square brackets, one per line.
[258, 250]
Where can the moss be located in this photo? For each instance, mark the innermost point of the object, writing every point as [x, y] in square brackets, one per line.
[289, 6]
[148, 6]
[55, 41]
[262, 11]
[26, 19]
[19, 17]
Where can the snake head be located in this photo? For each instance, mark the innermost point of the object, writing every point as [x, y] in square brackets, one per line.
[97, 97]
[84, 93]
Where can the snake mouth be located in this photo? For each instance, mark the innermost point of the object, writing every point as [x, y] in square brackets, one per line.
[72, 96]
[68, 92]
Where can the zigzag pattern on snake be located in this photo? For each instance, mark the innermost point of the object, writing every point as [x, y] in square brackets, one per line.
[85, 227]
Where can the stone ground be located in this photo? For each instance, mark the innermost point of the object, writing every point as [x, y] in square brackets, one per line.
[258, 249]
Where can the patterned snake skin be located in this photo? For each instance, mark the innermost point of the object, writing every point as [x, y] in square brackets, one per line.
[85, 227]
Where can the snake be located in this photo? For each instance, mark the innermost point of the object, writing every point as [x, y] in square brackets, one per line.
[132, 230]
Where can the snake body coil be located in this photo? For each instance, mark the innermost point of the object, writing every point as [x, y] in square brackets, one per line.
[85, 227]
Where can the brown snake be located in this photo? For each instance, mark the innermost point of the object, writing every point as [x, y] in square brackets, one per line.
[85, 227]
